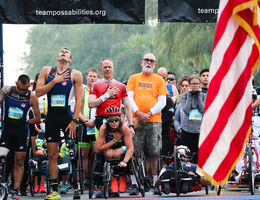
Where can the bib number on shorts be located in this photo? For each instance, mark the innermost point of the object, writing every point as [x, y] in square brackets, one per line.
[58, 100]
[15, 113]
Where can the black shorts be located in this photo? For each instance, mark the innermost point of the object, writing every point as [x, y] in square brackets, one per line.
[53, 130]
[16, 140]
[99, 121]
[85, 140]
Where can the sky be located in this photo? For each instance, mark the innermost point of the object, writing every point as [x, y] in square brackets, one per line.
[14, 37]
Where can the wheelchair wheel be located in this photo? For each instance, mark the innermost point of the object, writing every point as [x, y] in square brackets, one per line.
[175, 169]
[3, 193]
[106, 179]
[136, 174]
[250, 170]
[141, 172]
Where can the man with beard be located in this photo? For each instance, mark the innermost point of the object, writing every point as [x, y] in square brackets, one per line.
[147, 94]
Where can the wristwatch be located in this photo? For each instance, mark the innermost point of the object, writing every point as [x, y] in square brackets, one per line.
[131, 125]
[124, 161]
[75, 120]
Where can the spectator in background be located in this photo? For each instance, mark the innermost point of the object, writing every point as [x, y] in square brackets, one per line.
[171, 86]
[147, 94]
[192, 107]
[183, 86]
[204, 79]
[167, 117]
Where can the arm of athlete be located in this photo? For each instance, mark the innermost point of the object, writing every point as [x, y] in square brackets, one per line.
[4, 92]
[93, 101]
[129, 116]
[77, 80]
[36, 111]
[129, 145]
[41, 88]
[256, 103]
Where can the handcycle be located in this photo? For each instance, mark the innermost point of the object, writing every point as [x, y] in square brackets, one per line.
[176, 178]
[102, 170]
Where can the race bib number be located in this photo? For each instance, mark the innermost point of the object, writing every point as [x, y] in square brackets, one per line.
[90, 131]
[195, 115]
[15, 113]
[58, 100]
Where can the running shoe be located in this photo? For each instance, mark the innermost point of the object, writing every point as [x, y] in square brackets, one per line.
[122, 184]
[134, 190]
[76, 195]
[100, 193]
[42, 189]
[53, 196]
[15, 196]
[36, 189]
[114, 185]
[63, 189]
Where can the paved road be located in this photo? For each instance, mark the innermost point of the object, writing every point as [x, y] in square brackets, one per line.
[231, 194]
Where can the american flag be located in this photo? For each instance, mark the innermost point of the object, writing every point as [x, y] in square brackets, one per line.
[227, 115]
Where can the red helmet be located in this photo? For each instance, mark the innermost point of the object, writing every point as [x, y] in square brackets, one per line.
[112, 111]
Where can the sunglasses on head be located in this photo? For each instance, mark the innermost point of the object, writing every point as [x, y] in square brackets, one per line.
[21, 89]
[170, 79]
[113, 119]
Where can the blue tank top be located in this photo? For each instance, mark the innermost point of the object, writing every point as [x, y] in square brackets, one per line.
[16, 108]
[58, 97]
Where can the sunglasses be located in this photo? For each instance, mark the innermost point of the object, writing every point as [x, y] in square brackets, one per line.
[113, 119]
[170, 79]
[21, 89]
[149, 60]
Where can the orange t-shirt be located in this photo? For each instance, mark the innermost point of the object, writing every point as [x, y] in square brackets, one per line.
[146, 91]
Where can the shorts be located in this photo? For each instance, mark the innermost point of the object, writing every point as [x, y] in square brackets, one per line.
[86, 140]
[15, 140]
[53, 129]
[148, 136]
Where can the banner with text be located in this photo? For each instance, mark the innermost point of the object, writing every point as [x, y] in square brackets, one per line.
[188, 10]
[72, 11]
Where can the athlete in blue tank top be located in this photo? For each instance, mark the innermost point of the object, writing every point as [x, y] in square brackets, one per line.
[60, 84]
[17, 101]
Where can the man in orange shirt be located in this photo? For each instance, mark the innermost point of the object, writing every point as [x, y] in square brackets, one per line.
[147, 94]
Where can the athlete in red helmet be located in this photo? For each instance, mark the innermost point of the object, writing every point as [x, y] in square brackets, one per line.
[114, 140]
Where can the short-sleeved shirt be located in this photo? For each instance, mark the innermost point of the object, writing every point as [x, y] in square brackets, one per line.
[100, 87]
[146, 91]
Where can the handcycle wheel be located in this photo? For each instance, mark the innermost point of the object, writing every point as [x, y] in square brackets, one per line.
[136, 174]
[175, 169]
[3, 193]
[250, 170]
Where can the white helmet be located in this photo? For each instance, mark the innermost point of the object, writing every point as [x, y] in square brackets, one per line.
[183, 151]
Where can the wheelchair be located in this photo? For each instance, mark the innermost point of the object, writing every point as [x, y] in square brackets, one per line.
[103, 170]
[175, 178]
